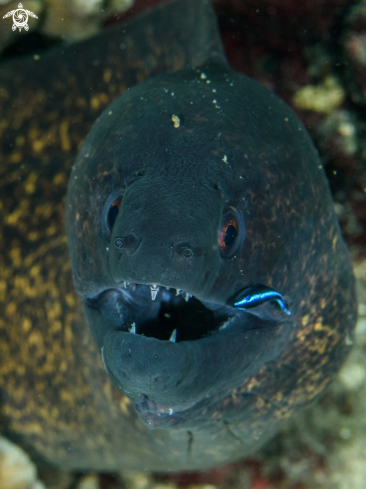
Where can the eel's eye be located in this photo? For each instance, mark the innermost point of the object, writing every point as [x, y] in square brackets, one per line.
[231, 233]
[110, 212]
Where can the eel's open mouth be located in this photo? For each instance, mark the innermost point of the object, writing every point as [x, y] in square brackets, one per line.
[162, 312]
[171, 353]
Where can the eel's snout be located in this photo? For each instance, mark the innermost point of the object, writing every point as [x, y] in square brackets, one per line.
[161, 239]
[181, 264]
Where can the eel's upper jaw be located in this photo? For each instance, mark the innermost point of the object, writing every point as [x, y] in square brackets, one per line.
[170, 352]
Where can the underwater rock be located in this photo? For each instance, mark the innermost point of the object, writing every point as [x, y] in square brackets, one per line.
[16, 469]
[73, 20]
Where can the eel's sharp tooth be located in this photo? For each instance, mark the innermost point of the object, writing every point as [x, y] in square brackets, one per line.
[154, 289]
[225, 324]
[133, 328]
[187, 296]
[126, 284]
[178, 292]
[173, 336]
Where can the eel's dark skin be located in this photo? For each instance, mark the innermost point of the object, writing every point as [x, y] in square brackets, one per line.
[197, 181]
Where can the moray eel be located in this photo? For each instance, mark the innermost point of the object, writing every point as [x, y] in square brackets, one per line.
[216, 292]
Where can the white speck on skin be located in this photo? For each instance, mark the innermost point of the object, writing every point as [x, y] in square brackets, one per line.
[175, 120]
[224, 159]
[203, 76]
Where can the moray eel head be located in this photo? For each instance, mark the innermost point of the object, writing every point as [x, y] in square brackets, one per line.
[157, 212]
